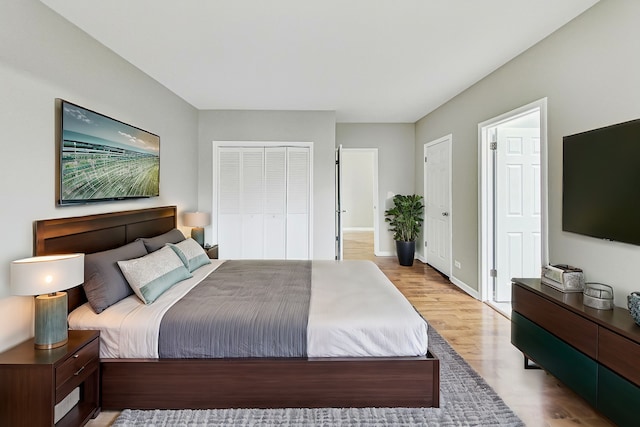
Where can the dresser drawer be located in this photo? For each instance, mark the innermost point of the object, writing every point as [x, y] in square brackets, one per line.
[619, 354]
[565, 324]
[569, 365]
[73, 370]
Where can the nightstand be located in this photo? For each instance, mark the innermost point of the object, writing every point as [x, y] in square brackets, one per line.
[33, 381]
[212, 251]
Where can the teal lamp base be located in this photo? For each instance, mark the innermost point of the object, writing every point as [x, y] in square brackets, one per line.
[51, 321]
[197, 234]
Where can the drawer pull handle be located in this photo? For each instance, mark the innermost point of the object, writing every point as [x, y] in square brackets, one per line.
[79, 370]
[75, 356]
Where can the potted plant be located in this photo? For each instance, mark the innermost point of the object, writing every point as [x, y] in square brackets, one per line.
[405, 220]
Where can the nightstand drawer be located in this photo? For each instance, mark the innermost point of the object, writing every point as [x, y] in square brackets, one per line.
[33, 381]
[75, 368]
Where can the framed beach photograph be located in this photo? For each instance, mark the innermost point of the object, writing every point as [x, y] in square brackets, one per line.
[102, 159]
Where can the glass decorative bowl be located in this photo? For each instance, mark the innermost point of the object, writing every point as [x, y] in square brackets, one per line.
[633, 301]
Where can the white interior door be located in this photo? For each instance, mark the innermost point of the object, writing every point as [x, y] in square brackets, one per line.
[264, 202]
[518, 208]
[275, 202]
[297, 234]
[229, 205]
[437, 227]
[252, 203]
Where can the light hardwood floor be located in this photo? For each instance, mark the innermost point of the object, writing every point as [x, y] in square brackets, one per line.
[480, 335]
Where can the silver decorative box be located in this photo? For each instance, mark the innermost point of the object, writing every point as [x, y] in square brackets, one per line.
[563, 277]
[598, 295]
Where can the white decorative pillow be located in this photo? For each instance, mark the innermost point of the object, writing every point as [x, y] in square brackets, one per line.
[151, 275]
[191, 254]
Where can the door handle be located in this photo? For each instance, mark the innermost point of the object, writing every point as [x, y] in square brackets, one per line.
[445, 213]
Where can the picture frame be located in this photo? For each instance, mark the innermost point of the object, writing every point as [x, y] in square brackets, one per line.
[102, 159]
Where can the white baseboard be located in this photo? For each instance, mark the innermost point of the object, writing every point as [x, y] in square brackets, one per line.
[357, 229]
[421, 258]
[474, 293]
[384, 253]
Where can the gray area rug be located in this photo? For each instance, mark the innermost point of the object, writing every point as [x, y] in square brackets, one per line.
[465, 400]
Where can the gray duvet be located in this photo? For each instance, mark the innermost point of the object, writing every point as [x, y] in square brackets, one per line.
[243, 309]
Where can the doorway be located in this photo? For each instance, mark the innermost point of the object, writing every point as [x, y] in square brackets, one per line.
[513, 241]
[357, 203]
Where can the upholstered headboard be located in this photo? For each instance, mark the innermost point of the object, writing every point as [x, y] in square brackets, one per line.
[94, 233]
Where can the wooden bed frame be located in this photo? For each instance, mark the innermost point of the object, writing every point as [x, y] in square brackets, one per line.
[231, 383]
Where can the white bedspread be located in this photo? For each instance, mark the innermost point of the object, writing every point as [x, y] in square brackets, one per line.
[355, 311]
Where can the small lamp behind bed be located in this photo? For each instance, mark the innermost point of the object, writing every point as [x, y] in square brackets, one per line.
[197, 220]
[45, 276]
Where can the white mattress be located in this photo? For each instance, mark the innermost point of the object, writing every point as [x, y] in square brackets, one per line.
[355, 311]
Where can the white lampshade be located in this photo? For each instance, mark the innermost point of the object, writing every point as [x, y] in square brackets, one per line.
[196, 219]
[46, 274]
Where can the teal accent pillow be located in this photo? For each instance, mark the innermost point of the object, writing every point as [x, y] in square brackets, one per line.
[151, 275]
[191, 254]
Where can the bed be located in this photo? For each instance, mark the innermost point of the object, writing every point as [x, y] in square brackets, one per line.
[145, 382]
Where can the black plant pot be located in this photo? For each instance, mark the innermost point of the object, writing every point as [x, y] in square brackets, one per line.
[406, 251]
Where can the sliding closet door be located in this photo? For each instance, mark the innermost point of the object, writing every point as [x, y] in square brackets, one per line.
[264, 202]
[297, 203]
[252, 199]
[229, 211]
[275, 202]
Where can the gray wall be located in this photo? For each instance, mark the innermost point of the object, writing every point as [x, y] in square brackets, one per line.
[589, 71]
[43, 57]
[396, 164]
[281, 126]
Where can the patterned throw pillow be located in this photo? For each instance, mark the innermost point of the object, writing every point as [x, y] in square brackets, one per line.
[151, 275]
[191, 254]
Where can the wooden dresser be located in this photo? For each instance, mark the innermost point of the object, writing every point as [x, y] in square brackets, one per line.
[594, 352]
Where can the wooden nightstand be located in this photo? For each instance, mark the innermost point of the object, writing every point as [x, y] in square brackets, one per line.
[212, 251]
[33, 381]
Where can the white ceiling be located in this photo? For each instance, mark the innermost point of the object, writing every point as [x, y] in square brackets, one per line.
[369, 60]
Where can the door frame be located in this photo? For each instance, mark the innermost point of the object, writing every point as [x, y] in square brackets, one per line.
[338, 205]
[447, 138]
[486, 249]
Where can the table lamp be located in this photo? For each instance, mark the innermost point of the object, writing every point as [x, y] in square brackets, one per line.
[45, 276]
[197, 220]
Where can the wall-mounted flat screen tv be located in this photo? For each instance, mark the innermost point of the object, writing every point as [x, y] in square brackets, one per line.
[102, 159]
[601, 183]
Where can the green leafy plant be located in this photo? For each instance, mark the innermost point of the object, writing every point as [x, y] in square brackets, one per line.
[405, 217]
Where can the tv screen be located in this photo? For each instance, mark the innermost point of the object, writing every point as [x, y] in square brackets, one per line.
[103, 159]
[601, 183]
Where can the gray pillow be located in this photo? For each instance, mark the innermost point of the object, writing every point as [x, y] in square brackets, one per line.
[104, 283]
[154, 243]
